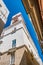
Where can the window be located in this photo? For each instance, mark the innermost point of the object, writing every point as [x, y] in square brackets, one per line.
[14, 43]
[0, 5]
[1, 42]
[12, 59]
[13, 31]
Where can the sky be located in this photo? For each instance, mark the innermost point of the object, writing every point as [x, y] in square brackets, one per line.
[16, 6]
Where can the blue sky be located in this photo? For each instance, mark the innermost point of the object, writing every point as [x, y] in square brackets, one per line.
[16, 6]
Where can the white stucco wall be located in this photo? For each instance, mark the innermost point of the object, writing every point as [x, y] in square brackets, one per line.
[7, 39]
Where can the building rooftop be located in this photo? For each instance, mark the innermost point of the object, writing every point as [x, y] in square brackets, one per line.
[16, 20]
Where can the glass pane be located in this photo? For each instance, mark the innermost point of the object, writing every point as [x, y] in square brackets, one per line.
[14, 43]
[12, 60]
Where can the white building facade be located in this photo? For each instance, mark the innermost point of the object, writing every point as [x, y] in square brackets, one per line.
[4, 12]
[17, 35]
